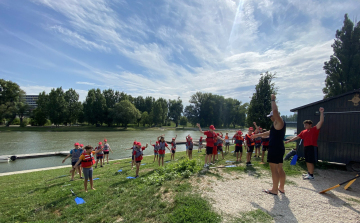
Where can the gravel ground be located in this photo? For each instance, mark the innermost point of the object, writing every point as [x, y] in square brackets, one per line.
[233, 193]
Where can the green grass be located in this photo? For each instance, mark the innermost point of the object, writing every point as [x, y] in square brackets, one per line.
[254, 217]
[353, 200]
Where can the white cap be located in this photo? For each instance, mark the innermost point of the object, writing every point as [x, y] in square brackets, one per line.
[271, 114]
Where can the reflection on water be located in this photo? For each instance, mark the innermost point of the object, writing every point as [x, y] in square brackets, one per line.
[14, 143]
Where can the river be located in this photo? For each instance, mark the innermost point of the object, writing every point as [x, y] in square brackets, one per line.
[15, 143]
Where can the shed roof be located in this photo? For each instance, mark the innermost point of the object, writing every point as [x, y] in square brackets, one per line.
[324, 100]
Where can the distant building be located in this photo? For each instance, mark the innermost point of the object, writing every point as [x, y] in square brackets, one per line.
[31, 100]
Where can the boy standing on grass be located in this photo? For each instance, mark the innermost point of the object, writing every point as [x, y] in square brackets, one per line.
[265, 146]
[200, 144]
[257, 140]
[99, 155]
[239, 140]
[310, 136]
[190, 146]
[162, 145]
[106, 151]
[87, 161]
[132, 153]
[173, 148]
[156, 150]
[210, 138]
[250, 143]
[227, 143]
[138, 154]
[220, 145]
[75, 155]
[187, 143]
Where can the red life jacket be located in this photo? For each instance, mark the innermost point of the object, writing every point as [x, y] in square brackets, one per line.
[250, 142]
[211, 139]
[265, 141]
[88, 161]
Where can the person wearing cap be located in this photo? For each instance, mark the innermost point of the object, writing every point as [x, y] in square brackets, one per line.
[187, 144]
[138, 154]
[162, 145]
[210, 138]
[99, 155]
[200, 144]
[219, 147]
[276, 149]
[239, 140]
[190, 148]
[106, 151]
[310, 136]
[132, 153]
[156, 150]
[227, 143]
[265, 145]
[250, 143]
[75, 155]
[173, 148]
[257, 140]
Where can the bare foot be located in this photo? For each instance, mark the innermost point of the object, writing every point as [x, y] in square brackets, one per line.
[86, 191]
[93, 189]
[262, 163]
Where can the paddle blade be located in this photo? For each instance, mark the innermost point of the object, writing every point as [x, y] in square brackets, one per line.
[294, 159]
[119, 170]
[324, 191]
[130, 177]
[79, 200]
[231, 166]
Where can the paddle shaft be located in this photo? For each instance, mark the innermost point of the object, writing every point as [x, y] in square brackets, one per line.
[331, 188]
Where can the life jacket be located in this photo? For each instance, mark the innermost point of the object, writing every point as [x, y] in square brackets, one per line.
[106, 147]
[265, 141]
[211, 139]
[75, 155]
[200, 141]
[138, 153]
[239, 140]
[173, 145]
[190, 145]
[250, 142]
[88, 161]
[100, 153]
[258, 140]
[162, 145]
[156, 148]
[219, 142]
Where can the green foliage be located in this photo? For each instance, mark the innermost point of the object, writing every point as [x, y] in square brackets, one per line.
[156, 113]
[11, 95]
[260, 104]
[145, 118]
[94, 107]
[184, 168]
[24, 122]
[183, 121]
[125, 112]
[15, 121]
[73, 106]
[192, 208]
[57, 106]
[254, 216]
[175, 109]
[38, 117]
[343, 68]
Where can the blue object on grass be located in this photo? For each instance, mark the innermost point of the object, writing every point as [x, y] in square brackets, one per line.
[78, 200]
[94, 179]
[232, 151]
[294, 159]
[167, 162]
[130, 177]
[228, 161]
[143, 164]
[119, 170]
[231, 166]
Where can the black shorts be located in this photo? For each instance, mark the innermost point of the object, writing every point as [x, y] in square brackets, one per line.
[238, 149]
[227, 144]
[106, 152]
[257, 145]
[173, 151]
[309, 153]
[132, 157]
[265, 148]
[138, 161]
[190, 149]
[209, 150]
[275, 155]
[250, 149]
[73, 163]
[219, 148]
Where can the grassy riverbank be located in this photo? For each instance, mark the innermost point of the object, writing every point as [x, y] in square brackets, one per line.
[159, 195]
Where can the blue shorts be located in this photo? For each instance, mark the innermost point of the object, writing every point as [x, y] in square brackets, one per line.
[155, 154]
[187, 147]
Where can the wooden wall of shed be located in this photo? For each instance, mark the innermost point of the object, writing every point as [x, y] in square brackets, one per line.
[339, 138]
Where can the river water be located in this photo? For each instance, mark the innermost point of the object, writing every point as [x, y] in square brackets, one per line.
[15, 143]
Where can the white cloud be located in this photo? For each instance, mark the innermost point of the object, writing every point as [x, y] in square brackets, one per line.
[85, 83]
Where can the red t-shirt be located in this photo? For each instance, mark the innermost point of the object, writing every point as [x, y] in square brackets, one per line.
[140, 157]
[214, 150]
[310, 136]
[162, 151]
[209, 139]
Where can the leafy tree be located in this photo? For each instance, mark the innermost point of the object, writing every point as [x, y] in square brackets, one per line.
[111, 98]
[175, 109]
[343, 68]
[57, 106]
[149, 101]
[94, 107]
[22, 110]
[260, 104]
[156, 113]
[11, 95]
[73, 106]
[81, 116]
[145, 118]
[183, 121]
[125, 112]
[39, 117]
[191, 114]
[164, 109]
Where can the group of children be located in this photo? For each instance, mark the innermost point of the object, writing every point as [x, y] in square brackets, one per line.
[82, 160]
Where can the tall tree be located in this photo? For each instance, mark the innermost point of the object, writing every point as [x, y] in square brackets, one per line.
[11, 95]
[149, 101]
[183, 121]
[125, 112]
[57, 106]
[94, 107]
[73, 106]
[260, 104]
[22, 110]
[156, 113]
[343, 68]
[175, 109]
[111, 98]
[164, 109]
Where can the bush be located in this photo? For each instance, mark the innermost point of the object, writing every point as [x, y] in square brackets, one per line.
[16, 121]
[25, 122]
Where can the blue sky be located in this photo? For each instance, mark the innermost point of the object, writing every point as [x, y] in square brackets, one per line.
[171, 48]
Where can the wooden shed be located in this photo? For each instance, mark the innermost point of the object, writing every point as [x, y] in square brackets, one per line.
[339, 139]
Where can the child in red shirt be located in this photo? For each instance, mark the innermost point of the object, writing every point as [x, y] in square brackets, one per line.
[156, 150]
[173, 148]
[138, 156]
[162, 145]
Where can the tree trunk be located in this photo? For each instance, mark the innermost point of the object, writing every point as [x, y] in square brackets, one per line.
[176, 124]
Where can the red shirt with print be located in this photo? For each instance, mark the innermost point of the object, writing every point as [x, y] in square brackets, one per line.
[310, 136]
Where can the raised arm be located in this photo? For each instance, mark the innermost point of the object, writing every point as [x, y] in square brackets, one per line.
[66, 157]
[175, 137]
[319, 124]
[293, 139]
[279, 122]
[198, 125]
[97, 151]
[264, 134]
[256, 127]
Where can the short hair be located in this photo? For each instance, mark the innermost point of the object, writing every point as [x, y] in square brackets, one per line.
[88, 147]
[308, 122]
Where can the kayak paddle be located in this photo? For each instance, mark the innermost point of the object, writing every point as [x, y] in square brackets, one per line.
[78, 200]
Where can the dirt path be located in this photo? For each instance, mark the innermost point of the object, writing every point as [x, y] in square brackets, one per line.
[232, 193]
